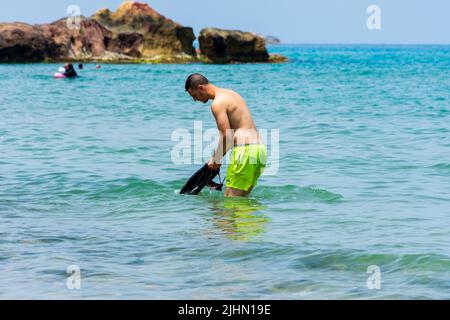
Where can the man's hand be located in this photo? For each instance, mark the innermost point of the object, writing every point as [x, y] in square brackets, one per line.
[213, 166]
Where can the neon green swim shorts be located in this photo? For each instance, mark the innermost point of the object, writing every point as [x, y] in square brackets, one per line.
[246, 166]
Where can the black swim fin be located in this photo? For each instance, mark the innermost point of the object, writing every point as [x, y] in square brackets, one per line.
[202, 178]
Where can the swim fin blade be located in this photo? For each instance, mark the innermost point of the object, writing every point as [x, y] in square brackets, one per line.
[202, 178]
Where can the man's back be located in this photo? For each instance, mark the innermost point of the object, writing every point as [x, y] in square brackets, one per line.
[239, 116]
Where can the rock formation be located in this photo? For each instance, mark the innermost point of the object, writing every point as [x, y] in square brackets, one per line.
[134, 33]
[229, 46]
[158, 35]
[20, 42]
[224, 46]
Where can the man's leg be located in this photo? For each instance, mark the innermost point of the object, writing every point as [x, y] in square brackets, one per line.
[231, 192]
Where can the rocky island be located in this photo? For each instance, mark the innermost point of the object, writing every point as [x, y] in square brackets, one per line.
[134, 33]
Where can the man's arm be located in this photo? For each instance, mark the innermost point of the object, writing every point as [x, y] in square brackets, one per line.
[226, 135]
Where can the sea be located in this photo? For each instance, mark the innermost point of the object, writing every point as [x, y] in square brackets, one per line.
[354, 203]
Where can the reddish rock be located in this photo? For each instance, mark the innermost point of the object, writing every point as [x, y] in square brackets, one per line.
[20, 42]
[52, 42]
[224, 46]
[159, 34]
[134, 33]
[126, 43]
[90, 40]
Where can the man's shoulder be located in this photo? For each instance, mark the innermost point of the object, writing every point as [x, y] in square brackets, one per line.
[219, 103]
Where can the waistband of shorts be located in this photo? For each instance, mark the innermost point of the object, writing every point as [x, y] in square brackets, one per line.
[249, 145]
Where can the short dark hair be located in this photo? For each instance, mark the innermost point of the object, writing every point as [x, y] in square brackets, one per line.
[195, 80]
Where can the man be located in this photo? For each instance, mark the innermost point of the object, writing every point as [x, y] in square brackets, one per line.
[237, 131]
[70, 71]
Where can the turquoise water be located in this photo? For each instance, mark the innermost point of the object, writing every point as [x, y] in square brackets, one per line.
[86, 179]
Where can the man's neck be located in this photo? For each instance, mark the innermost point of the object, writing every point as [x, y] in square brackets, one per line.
[212, 91]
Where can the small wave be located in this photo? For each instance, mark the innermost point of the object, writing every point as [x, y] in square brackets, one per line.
[296, 193]
[105, 150]
[130, 187]
[442, 167]
[359, 260]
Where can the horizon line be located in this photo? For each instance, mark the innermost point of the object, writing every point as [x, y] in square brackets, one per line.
[361, 43]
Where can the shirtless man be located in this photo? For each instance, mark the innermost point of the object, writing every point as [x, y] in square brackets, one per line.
[237, 131]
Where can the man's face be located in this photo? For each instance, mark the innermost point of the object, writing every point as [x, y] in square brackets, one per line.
[199, 94]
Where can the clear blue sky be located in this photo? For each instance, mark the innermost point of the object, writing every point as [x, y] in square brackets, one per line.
[294, 21]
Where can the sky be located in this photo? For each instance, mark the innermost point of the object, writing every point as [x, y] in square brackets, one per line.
[293, 21]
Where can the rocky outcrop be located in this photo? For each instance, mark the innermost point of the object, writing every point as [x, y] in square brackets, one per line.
[134, 33]
[89, 41]
[128, 44]
[20, 42]
[158, 35]
[224, 46]
[228, 46]
[53, 42]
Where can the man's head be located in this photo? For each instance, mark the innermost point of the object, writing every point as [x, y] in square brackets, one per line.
[198, 87]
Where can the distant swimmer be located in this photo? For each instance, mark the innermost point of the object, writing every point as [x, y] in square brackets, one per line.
[237, 131]
[98, 66]
[67, 71]
[80, 66]
[70, 71]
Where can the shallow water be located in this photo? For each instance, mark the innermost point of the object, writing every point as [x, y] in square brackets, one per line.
[86, 179]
